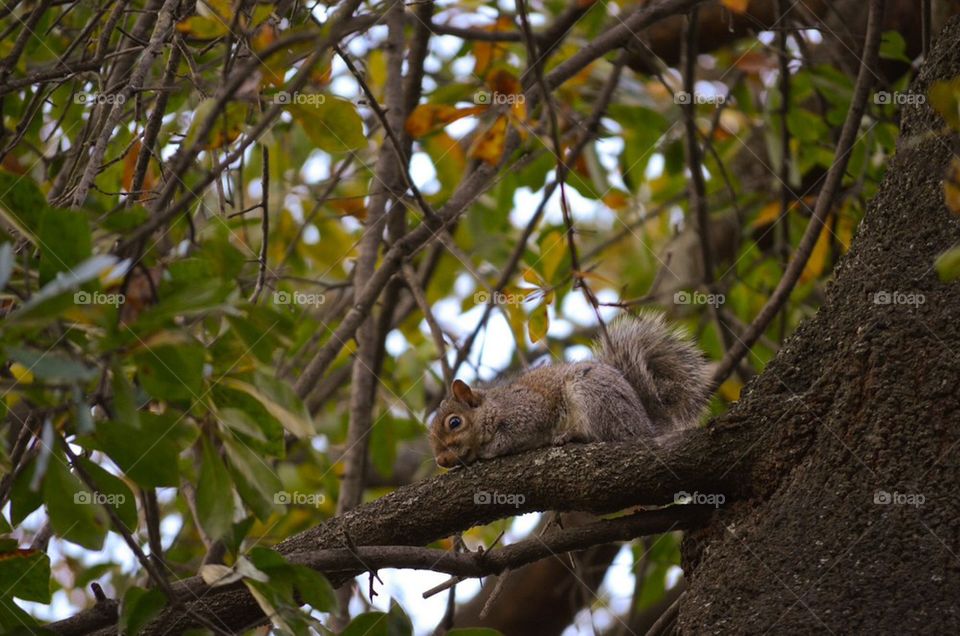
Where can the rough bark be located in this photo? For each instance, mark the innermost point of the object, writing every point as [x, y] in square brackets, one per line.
[862, 401]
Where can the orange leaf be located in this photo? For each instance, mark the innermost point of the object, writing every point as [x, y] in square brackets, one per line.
[768, 215]
[486, 52]
[500, 80]
[754, 63]
[737, 6]
[616, 200]
[489, 145]
[350, 206]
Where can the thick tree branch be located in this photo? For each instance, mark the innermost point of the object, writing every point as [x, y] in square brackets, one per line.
[598, 478]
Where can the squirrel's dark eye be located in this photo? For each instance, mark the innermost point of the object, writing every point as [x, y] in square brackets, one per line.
[454, 422]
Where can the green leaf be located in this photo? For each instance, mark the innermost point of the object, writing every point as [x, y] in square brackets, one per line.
[114, 491]
[124, 403]
[21, 203]
[148, 454]
[948, 264]
[26, 574]
[369, 624]
[332, 123]
[399, 623]
[254, 479]
[172, 372]
[24, 500]
[14, 621]
[240, 422]
[214, 494]
[279, 400]
[74, 515]
[893, 47]
[314, 589]
[64, 237]
[138, 607]
[126, 219]
[51, 365]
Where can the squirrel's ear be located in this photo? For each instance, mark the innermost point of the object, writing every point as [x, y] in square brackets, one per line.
[463, 393]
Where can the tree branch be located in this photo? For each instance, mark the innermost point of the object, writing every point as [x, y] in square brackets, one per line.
[717, 459]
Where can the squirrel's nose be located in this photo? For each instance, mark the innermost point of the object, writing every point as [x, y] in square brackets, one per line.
[446, 460]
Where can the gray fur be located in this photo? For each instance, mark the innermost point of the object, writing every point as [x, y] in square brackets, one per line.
[668, 372]
[649, 380]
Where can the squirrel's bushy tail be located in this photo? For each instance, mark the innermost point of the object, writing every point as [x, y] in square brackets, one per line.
[667, 371]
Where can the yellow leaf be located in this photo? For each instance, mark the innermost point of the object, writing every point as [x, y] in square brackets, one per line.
[488, 146]
[951, 186]
[538, 323]
[730, 390]
[203, 28]
[21, 374]
[486, 52]
[552, 251]
[818, 257]
[426, 118]
[532, 277]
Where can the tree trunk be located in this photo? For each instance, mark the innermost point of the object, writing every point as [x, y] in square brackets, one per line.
[860, 407]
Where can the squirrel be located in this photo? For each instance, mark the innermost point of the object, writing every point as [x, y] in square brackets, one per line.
[646, 379]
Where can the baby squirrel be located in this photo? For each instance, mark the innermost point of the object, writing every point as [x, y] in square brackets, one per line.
[646, 379]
